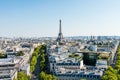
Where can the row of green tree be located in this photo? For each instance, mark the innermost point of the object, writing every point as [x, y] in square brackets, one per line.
[22, 76]
[44, 76]
[113, 73]
[34, 58]
[43, 65]
[43, 57]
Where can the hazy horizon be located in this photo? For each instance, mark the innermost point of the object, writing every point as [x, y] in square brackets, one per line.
[40, 18]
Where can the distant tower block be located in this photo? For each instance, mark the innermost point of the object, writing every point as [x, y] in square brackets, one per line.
[60, 35]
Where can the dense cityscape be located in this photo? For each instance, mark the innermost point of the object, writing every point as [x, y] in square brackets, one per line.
[59, 40]
[61, 58]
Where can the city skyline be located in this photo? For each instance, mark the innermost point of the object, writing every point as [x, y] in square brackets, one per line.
[40, 18]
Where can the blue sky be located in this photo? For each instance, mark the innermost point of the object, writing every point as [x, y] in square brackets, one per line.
[40, 18]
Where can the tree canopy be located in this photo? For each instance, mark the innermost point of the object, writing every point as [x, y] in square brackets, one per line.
[22, 76]
[113, 73]
[44, 76]
[34, 58]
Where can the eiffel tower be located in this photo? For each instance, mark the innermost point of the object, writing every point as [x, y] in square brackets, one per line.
[60, 35]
